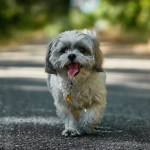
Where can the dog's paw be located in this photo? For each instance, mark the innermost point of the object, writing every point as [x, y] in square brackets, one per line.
[71, 132]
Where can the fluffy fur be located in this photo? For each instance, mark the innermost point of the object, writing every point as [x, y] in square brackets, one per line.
[87, 88]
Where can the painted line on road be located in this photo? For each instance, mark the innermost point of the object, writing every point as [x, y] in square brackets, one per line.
[34, 120]
[25, 87]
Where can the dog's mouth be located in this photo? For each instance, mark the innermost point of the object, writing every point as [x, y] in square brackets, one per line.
[73, 69]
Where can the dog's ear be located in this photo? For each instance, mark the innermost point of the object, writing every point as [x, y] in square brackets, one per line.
[49, 68]
[98, 58]
[97, 52]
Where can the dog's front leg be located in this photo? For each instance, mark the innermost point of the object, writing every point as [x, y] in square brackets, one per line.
[91, 117]
[71, 126]
[69, 120]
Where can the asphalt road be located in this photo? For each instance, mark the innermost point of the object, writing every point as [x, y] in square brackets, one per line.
[27, 113]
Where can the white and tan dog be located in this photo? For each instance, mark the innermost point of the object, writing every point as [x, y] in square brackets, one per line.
[76, 80]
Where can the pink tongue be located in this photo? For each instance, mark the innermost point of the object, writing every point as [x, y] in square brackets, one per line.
[73, 69]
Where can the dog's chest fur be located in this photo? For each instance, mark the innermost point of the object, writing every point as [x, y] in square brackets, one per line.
[83, 94]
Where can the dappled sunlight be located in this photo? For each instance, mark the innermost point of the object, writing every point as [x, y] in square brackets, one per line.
[126, 63]
[23, 72]
[141, 48]
[122, 49]
[129, 80]
[132, 94]
[25, 52]
[130, 73]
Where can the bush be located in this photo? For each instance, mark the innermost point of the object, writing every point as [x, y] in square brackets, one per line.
[29, 14]
[57, 15]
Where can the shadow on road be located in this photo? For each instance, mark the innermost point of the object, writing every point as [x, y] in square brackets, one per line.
[27, 112]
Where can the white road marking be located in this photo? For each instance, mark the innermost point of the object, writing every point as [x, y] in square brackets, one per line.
[25, 87]
[34, 120]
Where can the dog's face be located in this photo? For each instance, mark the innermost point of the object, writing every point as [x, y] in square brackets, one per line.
[73, 54]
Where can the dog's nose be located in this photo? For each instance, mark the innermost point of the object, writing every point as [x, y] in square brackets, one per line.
[71, 57]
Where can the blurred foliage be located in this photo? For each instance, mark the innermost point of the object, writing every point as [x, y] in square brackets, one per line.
[57, 15]
[29, 14]
[131, 14]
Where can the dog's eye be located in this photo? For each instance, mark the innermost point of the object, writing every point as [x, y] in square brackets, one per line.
[82, 50]
[63, 50]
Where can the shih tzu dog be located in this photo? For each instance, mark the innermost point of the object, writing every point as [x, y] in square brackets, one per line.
[76, 80]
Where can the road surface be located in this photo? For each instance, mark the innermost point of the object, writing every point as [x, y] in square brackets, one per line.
[27, 114]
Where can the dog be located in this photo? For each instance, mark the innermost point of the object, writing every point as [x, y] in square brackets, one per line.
[76, 80]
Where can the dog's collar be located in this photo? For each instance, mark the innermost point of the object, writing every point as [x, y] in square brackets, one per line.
[75, 112]
[69, 97]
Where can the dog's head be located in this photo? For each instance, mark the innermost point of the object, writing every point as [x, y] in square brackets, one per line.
[73, 54]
